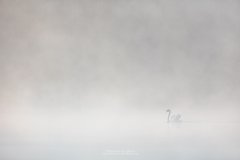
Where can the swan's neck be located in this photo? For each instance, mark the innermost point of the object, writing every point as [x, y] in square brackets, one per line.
[169, 113]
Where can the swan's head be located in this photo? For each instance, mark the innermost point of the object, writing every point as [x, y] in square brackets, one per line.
[168, 110]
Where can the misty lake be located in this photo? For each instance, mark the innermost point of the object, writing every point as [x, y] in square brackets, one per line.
[92, 79]
[98, 140]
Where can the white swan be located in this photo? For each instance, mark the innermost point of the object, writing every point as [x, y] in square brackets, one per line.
[174, 117]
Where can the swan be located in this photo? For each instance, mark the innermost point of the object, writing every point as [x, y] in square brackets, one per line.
[173, 117]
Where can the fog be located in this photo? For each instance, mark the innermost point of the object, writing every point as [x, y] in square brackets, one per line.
[88, 79]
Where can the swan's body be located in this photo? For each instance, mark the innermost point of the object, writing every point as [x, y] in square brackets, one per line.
[173, 117]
